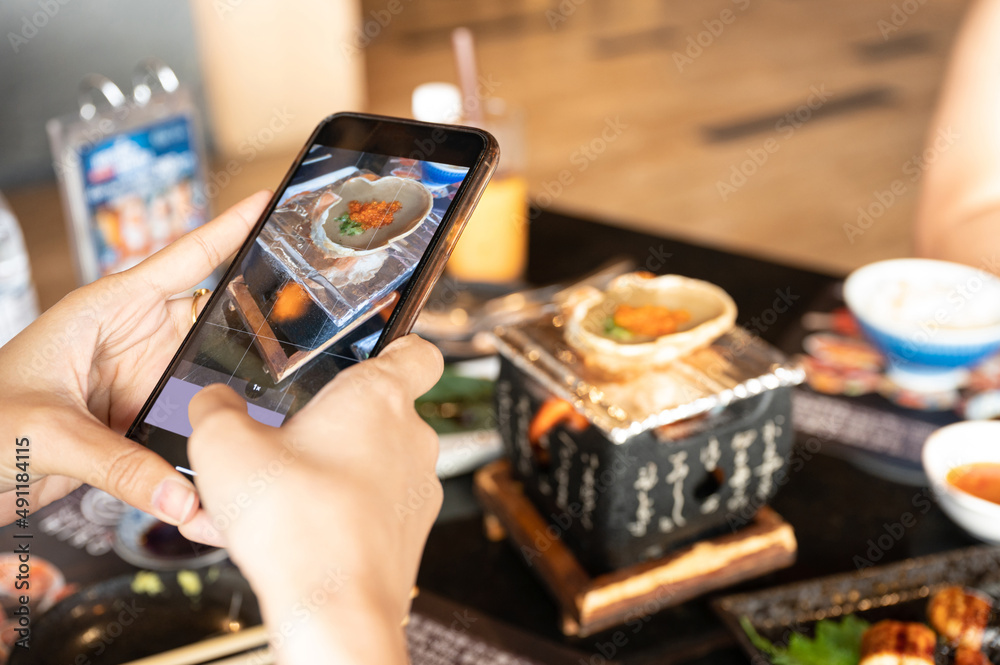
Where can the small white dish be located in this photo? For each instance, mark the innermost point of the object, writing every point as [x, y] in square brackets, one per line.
[968, 442]
[712, 312]
[415, 200]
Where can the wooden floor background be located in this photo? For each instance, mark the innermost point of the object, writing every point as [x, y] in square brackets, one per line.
[582, 68]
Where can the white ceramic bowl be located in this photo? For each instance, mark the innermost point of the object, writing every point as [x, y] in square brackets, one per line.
[931, 318]
[955, 445]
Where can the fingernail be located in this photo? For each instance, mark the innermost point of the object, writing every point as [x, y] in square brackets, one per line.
[174, 500]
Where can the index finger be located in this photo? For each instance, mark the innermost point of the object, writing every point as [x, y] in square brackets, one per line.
[416, 363]
[191, 258]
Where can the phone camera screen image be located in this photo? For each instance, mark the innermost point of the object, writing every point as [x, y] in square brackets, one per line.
[312, 294]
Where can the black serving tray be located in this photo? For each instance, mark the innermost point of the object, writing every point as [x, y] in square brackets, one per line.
[898, 591]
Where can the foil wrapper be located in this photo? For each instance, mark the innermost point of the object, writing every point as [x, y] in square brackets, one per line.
[735, 367]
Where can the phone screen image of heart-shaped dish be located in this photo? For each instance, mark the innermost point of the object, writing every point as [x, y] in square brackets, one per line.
[313, 293]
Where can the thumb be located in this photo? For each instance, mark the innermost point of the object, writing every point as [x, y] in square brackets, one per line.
[217, 399]
[223, 452]
[218, 419]
[126, 470]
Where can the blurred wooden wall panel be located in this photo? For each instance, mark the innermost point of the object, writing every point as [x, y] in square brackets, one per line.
[273, 70]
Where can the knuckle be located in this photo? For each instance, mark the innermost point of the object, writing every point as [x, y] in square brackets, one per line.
[123, 473]
[385, 390]
[379, 375]
[211, 252]
[398, 402]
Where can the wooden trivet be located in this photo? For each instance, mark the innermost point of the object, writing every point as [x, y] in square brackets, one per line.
[590, 604]
[279, 364]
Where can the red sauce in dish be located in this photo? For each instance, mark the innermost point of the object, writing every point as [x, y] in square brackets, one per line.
[981, 480]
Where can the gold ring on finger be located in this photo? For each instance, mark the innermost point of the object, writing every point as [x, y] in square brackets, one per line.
[194, 303]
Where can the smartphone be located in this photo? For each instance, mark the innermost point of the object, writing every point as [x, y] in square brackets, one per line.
[338, 266]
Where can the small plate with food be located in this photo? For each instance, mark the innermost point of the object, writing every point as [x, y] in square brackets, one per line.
[643, 321]
[370, 215]
[941, 608]
[962, 462]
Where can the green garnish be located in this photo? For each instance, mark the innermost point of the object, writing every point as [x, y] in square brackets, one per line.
[348, 227]
[836, 643]
[615, 331]
[458, 404]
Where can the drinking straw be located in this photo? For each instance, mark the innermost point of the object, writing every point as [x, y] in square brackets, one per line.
[468, 76]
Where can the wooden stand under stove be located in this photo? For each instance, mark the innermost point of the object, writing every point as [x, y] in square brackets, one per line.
[590, 604]
[279, 363]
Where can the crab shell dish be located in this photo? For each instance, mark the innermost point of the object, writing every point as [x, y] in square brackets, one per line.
[710, 310]
[416, 203]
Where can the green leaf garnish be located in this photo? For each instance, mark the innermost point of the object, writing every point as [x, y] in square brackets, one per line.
[615, 331]
[458, 404]
[348, 227]
[836, 643]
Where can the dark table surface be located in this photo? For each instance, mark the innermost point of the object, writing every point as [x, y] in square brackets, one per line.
[834, 507]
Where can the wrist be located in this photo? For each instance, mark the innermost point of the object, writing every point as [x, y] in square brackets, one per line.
[339, 619]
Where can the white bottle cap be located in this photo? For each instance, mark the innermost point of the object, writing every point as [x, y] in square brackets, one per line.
[437, 102]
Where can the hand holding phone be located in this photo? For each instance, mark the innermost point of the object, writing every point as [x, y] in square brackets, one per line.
[75, 378]
[337, 267]
[333, 507]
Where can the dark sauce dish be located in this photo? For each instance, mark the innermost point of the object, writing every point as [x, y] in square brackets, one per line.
[146, 542]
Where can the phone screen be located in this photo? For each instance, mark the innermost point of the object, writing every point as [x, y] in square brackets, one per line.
[313, 292]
